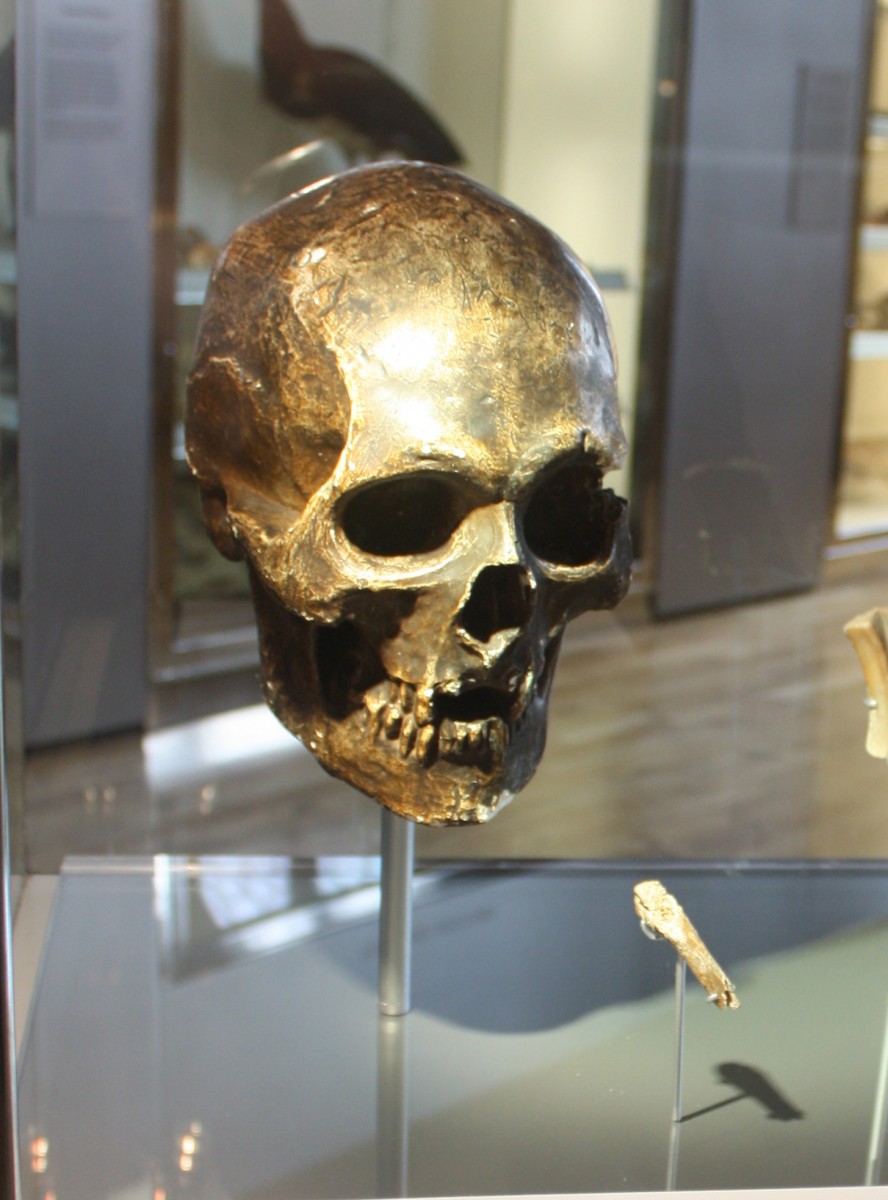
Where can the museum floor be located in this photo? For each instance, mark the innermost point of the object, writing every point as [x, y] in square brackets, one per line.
[729, 735]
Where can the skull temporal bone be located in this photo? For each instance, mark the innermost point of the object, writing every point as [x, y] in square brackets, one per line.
[402, 406]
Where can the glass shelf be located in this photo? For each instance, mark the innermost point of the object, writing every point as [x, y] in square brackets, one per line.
[211, 1025]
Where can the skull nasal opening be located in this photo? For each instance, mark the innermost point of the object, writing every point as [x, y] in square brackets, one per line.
[501, 598]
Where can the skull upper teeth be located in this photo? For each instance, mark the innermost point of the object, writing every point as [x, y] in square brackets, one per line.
[408, 736]
[405, 714]
[424, 700]
[425, 744]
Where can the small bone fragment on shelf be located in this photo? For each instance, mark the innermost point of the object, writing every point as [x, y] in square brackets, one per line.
[662, 913]
[868, 634]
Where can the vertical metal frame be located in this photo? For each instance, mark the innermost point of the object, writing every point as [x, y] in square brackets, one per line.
[661, 252]
[12, 834]
[161, 631]
[838, 547]
[10, 1177]
[744, 336]
[175, 660]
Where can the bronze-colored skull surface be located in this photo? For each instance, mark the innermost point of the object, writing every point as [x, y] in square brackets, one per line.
[402, 406]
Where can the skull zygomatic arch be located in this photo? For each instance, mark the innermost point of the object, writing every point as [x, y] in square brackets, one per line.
[401, 411]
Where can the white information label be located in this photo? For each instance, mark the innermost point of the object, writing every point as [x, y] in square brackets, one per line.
[93, 65]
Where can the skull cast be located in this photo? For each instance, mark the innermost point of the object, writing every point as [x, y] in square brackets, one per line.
[402, 406]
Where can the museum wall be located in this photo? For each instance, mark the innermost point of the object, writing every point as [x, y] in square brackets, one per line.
[576, 142]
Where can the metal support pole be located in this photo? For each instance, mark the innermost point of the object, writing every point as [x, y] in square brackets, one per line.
[392, 1120]
[681, 976]
[395, 915]
[880, 1114]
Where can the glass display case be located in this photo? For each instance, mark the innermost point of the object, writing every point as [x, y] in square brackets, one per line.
[221, 1017]
[192, 906]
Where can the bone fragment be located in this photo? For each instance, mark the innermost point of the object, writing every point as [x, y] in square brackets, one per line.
[662, 913]
[868, 634]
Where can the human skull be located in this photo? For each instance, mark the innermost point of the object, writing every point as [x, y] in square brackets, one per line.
[402, 406]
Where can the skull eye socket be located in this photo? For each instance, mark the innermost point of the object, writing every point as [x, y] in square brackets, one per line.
[403, 516]
[569, 519]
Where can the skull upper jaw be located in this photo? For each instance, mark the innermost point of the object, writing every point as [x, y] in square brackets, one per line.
[426, 754]
[450, 745]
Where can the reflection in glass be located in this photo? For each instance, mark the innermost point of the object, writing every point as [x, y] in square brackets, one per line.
[862, 500]
[544, 1070]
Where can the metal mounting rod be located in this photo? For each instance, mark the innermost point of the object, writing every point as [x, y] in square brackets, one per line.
[392, 1107]
[395, 915]
[681, 976]
[880, 1116]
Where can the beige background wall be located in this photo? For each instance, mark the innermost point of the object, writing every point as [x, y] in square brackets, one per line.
[451, 53]
[578, 102]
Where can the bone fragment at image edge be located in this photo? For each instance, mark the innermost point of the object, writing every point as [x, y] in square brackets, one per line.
[661, 912]
[867, 634]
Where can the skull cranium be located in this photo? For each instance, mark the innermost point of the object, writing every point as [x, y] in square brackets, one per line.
[401, 410]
